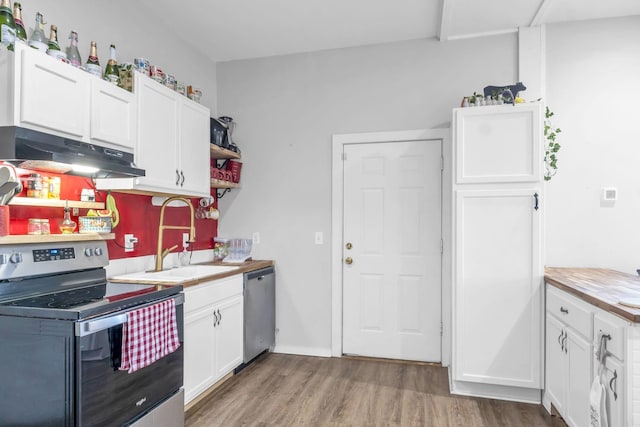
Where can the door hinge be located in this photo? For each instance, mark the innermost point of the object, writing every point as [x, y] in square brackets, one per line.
[441, 329]
[344, 156]
[441, 246]
[441, 163]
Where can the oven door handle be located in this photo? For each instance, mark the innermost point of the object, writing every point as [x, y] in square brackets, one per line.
[92, 326]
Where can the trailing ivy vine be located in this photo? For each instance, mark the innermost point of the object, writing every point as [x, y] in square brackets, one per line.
[551, 147]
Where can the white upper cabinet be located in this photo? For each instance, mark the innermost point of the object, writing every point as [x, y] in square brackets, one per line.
[47, 95]
[113, 115]
[498, 144]
[172, 144]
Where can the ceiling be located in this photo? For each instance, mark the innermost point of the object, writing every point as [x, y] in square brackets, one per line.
[226, 30]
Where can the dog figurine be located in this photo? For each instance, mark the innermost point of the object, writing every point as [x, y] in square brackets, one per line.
[508, 92]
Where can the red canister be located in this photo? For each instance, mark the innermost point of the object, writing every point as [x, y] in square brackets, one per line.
[234, 167]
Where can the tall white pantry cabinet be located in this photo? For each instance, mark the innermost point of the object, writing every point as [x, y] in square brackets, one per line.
[497, 322]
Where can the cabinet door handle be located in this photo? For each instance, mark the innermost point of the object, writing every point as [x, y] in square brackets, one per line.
[215, 319]
[564, 310]
[560, 339]
[177, 177]
[564, 342]
[537, 205]
[182, 181]
[219, 317]
[614, 379]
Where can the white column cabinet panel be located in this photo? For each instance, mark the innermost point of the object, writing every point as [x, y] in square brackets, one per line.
[498, 288]
[498, 144]
[497, 269]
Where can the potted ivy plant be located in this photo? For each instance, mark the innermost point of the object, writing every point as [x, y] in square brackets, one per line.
[551, 146]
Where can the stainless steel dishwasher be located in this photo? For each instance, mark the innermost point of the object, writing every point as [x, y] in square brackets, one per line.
[259, 312]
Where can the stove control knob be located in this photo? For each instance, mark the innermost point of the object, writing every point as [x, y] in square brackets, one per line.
[98, 251]
[88, 251]
[15, 258]
[4, 258]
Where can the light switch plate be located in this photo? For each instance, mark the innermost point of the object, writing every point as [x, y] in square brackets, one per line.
[319, 238]
[256, 237]
[609, 194]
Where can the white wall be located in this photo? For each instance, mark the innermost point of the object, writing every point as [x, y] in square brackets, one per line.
[593, 85]
[287, 109]
[133, 29]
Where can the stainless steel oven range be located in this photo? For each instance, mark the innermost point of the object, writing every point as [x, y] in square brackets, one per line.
[60, 342]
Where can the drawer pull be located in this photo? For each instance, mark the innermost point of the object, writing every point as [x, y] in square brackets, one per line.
[564, 342]
[564, 310]
[614, 379]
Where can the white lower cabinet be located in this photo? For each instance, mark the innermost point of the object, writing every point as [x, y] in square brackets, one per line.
[573, 331]
[569, 355]
[213, 333]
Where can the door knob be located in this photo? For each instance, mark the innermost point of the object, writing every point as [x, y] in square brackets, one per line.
[348, 245]
[348, 260]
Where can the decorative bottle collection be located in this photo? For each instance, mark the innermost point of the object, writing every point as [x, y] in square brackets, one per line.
[93, 63]
[73, 54]
[112, 71]
[12, 30]
[37, 39]
[7, 25]
[21, 33]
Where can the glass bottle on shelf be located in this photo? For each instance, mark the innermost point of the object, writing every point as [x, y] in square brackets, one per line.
[67, 226]
[93, 63]
[38, 40]
[112, 71]
[21, 33]
[7, 25]
[73, 54]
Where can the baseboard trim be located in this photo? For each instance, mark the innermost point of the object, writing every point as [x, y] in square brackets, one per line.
[500, 392]
[303, 351]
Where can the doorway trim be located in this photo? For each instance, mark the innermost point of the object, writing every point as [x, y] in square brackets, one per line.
[337, 206]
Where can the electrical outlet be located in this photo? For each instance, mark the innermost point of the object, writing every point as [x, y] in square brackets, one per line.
[256, 237]
[185, 240]
[319, 238]
[129, 241]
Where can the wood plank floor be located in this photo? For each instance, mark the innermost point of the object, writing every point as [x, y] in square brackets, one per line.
[287, 390]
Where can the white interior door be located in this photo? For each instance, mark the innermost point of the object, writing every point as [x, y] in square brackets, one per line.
[392, 225]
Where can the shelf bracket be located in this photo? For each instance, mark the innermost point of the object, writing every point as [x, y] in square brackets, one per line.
[219, 194]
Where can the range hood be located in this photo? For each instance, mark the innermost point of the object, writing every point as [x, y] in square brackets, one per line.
[31, 149]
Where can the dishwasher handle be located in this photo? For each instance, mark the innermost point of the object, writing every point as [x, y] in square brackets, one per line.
[259, 274]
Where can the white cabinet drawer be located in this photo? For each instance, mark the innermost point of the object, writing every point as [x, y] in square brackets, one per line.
[209, 293]
[575, 313]
[609, 324]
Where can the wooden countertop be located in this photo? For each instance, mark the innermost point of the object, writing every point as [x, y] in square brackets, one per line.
[243, 267]
[601, 287]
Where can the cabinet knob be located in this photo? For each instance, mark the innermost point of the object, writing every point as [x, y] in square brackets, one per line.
[348, 260]
[348, 245]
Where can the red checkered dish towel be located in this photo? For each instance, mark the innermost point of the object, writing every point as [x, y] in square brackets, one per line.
[150, 334]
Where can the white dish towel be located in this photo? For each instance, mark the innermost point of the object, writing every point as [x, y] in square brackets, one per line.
[598, 394]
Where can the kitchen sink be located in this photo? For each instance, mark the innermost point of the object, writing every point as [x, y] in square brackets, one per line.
[174, 275]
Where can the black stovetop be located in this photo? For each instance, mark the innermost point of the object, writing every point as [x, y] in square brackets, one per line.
[85, 301]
